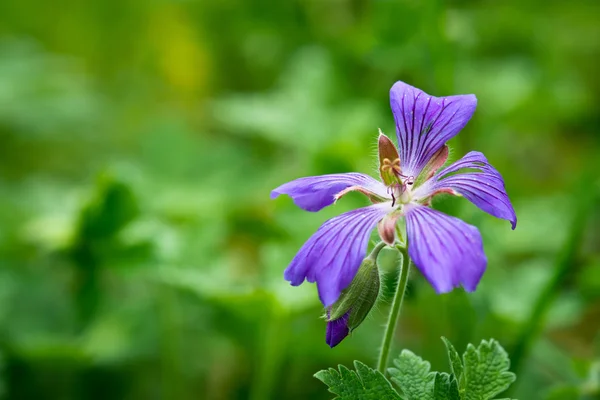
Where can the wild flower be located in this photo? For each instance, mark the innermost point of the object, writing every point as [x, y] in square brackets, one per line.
[447, 251]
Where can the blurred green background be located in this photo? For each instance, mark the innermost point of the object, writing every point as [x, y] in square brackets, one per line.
[141, 256]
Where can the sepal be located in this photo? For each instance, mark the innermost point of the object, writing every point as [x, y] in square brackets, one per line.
[354, 303]
[389, 160]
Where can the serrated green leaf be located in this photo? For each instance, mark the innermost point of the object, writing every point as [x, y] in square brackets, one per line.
[486, 371]
[363, 384]
[445, 387]
[412, 376]
[454, 358]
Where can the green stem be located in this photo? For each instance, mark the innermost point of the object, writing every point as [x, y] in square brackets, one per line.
[390, 328]
[375, 252]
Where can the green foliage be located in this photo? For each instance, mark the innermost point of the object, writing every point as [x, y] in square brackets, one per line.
[483, 376]
[445, 387]
[363, 384]
[412, 375]
[112, 208]
[456, 365]
[486, 371]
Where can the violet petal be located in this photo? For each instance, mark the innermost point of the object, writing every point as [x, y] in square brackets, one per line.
[447, 251]
[333, 254]
[425, 123]
[485, 188]
[313, 193]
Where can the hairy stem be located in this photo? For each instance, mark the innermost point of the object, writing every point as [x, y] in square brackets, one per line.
[375, 252]
[390, 328]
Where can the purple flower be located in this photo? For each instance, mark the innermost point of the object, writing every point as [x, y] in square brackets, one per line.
[448, 251]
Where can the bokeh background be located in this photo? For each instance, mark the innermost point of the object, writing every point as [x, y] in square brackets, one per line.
[141, 256]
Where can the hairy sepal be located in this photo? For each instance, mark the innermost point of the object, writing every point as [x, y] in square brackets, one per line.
[359, 298]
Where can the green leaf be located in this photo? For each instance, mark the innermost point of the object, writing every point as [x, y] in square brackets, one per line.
[445, 387]
[363, 384]
[412, 376]
[112, 208]
[486, 371]
[454, 358]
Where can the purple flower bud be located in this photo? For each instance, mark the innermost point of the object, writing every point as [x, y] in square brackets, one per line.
[355, 302]
[337, 330]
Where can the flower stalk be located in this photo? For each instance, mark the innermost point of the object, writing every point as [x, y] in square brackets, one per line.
[390, 327]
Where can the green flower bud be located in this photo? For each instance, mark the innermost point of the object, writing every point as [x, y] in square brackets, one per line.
[358, 298]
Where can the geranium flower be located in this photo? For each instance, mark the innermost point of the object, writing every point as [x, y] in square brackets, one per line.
[447, 251]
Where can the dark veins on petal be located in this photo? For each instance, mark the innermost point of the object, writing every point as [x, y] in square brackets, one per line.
[333, 254]
[484, 188]
[425, 123]
[448, 251]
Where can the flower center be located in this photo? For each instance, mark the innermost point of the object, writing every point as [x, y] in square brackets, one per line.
[393, 168]
[390, 168]
[401, 192]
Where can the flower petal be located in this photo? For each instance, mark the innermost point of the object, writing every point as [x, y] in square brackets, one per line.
[448, 251]
[425, 123]
[337, 330]
[313, 193]
[485, 188]
[332, 256]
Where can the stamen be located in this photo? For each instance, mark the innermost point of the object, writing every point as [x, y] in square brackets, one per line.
[396, 166]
